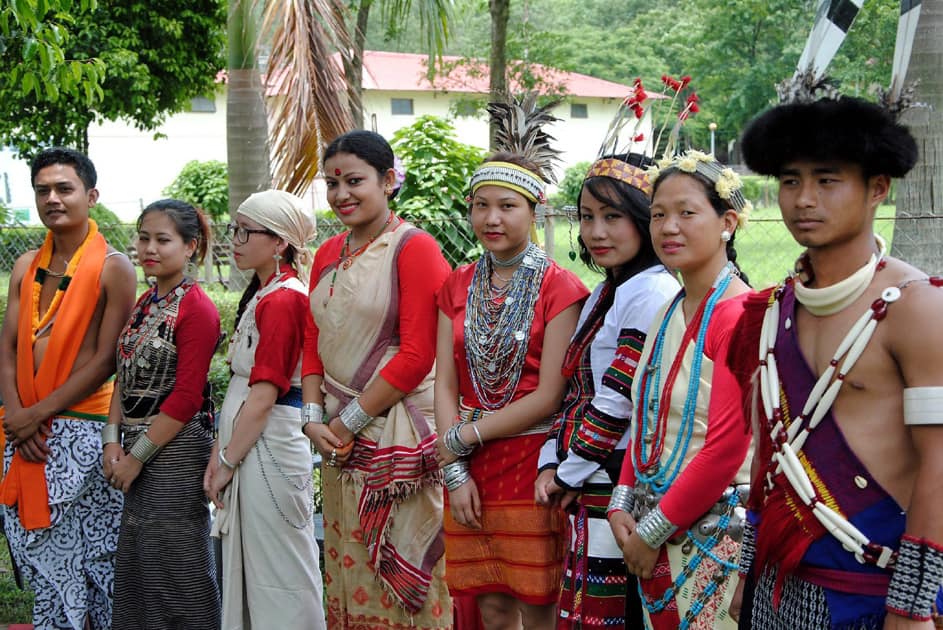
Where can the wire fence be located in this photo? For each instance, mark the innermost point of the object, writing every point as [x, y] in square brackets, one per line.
[765, 248]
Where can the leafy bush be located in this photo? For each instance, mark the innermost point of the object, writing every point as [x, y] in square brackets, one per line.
[204, 184]
[5, 214]
[438, 168]
[16, 241]
[568, 190]
[761, 190]
[115, 232]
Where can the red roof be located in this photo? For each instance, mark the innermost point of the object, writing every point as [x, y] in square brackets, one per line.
[403, 72]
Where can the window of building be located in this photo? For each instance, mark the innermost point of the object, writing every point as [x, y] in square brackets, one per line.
[402, 106]
[578, 110]
[203, 104]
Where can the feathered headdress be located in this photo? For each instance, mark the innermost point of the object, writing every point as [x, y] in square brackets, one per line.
[519, 124]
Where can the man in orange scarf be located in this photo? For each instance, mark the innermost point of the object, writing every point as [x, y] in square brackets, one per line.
[67, 304]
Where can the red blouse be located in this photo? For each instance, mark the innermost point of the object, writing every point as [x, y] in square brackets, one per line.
[560, 289]
[196, 333]
[280, 318]
[422, 269]
[726, 442]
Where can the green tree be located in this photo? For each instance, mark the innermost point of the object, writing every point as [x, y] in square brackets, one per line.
[438, 168]
[155, 58]
[204, 184]
[35, 36]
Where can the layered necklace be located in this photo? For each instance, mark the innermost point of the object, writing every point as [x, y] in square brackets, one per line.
[40, 324]
[147, 355]
[498, 324]
[655, 400]
[348, 257]
[788, 435]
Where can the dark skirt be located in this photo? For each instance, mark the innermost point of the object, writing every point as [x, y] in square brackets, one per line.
[164, 572]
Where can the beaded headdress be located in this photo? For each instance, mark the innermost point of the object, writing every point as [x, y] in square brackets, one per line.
[520, 131]
[725, 180]
[627, 131]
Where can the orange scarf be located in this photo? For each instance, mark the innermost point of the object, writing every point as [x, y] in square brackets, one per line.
[25, 482]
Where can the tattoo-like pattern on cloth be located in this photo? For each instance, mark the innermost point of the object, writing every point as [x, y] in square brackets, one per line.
[70, 564]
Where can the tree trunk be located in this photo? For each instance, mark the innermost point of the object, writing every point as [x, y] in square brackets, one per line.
[353, 66]
[500, 11]
[247, 151]
[918, 230]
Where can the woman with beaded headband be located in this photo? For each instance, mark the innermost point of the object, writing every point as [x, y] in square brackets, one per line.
[260, 474]
[504, 322]
[677, 512]
[367, 390]
[164, 574]
[581, 459]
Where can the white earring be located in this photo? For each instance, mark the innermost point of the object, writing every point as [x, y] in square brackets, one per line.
[725, 236]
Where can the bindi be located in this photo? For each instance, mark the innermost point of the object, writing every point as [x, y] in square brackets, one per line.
[337, 172]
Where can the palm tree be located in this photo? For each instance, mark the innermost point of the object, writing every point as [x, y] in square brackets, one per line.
[918, 230]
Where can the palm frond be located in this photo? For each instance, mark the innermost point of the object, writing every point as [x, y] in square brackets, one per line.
[520, 123]
[309, 109]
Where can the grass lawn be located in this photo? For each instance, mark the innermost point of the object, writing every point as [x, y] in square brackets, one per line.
[16, 606]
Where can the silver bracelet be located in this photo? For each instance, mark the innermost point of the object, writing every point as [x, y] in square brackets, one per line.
[623, 500]
[354, 417]
[456, 474]
[225, 462]
[474, 427]
[454, 442]
[311, 412]
[111, 434]
[655, 529]
[144, 450]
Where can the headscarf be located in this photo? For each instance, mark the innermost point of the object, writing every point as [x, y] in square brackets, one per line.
[287, 216]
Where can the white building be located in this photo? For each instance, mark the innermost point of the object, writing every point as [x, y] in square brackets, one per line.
[135, 166]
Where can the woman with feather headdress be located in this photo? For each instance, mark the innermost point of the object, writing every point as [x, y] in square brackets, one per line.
[504, 324]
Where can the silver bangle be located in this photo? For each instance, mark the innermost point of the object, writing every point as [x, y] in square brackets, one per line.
[144, 450]
[454, 443]
[354, 417]
[225, 462]
[111, 434]
[623, 500]
[311, 412]
[655, 529]
[474, 427]
[456, 474]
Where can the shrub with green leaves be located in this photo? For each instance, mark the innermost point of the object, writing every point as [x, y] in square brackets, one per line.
[438, 168]
[204, 184]
[568, 190]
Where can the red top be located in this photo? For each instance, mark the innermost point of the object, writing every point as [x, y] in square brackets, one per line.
[560, 289]
[196, 333]
[280, 318]
[714, 467]
[421, 268]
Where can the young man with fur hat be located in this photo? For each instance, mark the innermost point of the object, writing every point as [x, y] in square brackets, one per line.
[848, 389]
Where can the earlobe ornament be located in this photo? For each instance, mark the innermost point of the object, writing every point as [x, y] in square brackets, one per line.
[725, 236]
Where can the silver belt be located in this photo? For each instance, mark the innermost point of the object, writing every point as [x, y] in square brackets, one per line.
[706, 526]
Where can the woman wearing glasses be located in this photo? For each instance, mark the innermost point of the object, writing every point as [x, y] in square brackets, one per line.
[259, 476]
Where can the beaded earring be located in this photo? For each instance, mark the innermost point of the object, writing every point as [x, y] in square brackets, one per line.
[573, 246]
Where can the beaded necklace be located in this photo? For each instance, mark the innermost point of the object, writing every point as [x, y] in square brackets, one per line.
[646, 459]
[45, 257]
[497, 327]
[147, 355]
[347, 258]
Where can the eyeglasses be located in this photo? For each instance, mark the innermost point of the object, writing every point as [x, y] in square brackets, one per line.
[240, 235]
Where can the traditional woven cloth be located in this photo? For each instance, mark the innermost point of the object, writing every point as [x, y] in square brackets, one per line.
[272, 576]
[622, 171]
[383, 509]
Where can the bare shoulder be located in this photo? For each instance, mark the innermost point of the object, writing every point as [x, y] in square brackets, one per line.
[914, 338]
[117, 268]
[20, 266]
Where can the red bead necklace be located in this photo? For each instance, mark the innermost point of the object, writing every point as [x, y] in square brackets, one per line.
[347, 257]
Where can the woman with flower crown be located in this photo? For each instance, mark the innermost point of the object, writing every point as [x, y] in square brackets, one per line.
[504, 323]
[581, 459]
[677, 511]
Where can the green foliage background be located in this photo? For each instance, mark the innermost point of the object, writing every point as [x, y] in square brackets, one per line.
[568, 190]
[438, 168]
[204, 184]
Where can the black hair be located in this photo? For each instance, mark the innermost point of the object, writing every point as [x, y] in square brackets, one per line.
[720, 206]
[288, 256]
[846, 130]
[70, 157]
[369, 146]
[189, 222]
[634, 205]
